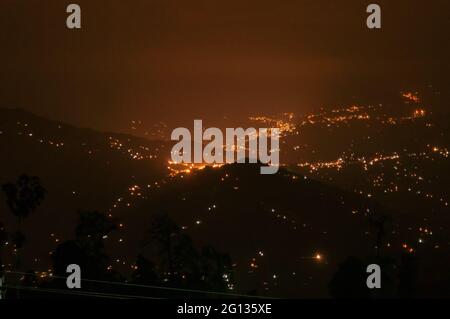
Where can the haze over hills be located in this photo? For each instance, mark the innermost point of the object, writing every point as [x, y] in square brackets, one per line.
[396, 153]
[80, 169]
[232, 208]
[34, 144]
[286, 234]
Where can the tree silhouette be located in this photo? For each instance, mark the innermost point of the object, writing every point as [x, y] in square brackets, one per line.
[22, 198]
[94, 225]
[349, 282]
[3, 240]
[91, 229]
[379, 223]
[144, 272]
[3, 235]
[176, 261]
[216, 268]
[407, 275]
[87, 250]
[170, 249]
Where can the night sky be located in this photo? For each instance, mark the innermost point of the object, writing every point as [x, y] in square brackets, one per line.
[175, 61]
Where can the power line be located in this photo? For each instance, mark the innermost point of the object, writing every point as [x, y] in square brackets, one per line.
[81, 292]
[153, 286]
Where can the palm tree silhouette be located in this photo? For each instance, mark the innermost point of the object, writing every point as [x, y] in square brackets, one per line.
[379, 222]
[23, 198]
[3, 240]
